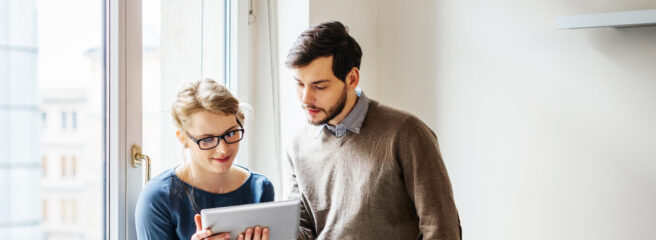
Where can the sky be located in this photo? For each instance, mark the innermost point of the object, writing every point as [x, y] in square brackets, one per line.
[68, 28]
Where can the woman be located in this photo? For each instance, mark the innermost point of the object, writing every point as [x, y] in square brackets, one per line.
[209, 123]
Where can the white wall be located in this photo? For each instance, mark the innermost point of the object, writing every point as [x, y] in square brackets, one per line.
[361, 19]
[546, 133]
[549, 134]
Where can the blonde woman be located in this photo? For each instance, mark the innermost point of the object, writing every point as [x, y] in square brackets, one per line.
[210, 126]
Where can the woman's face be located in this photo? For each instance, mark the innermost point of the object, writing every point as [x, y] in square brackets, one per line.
[207, 124]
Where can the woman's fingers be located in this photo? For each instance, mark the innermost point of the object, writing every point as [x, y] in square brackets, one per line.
[202, 234]
[258, 233]
[254, 233]
[222, 236]
[199, 223]
[249, 234]
[265, 233]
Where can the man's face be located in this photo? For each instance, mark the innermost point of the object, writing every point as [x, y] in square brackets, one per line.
[321, 93]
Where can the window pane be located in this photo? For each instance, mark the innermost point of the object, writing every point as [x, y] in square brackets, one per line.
[50, 64]
[182, 41]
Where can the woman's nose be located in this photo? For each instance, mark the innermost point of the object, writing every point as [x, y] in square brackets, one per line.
[222, 147]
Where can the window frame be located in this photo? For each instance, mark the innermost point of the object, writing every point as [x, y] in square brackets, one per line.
[121, 80]
[122, 102]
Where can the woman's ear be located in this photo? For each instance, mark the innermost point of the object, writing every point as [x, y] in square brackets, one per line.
[181, 137]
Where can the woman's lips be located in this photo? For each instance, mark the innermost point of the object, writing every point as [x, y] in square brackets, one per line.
[222, 160]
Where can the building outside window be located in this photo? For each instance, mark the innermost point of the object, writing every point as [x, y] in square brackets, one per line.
[44, 119]
[44, 166]
[63, 120]
[63, 166]
[45, 210]
[57, 80]
[74, 120]
[73, 166]
[63, 211]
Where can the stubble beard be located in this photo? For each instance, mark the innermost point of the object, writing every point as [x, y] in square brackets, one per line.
[333, 111]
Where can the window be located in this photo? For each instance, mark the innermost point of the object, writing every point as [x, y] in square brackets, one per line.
[73, 211]
[63, 120]
[73, 166]
[183, 41]
[74, 120]
[44, 119]
[63, 166]
[45, 209]
[44, 166]
[56, 61]
[64, 211]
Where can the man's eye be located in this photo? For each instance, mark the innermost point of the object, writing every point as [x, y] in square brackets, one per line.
[321, 87]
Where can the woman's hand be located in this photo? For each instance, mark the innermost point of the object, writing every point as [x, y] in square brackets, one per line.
[254, 233]
[251, 233]
[206, 234]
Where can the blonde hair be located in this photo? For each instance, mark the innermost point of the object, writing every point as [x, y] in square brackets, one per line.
[207, 95]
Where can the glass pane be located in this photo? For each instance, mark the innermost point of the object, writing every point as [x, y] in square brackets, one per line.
[182, 41]
[50, 120]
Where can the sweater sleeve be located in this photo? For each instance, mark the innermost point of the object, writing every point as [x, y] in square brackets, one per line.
[152, 214]
[306, 228]
[426, 180]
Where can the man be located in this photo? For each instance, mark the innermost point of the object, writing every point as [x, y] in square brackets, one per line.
[362, 170]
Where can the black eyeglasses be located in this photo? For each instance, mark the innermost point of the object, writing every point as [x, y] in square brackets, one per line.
[213, 141]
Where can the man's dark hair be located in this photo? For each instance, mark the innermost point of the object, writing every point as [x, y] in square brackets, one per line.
[323, 40]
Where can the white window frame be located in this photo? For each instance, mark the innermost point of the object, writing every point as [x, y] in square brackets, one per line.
[123, 114]
[123, 103]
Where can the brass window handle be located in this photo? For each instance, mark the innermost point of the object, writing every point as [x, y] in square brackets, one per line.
[138, 159]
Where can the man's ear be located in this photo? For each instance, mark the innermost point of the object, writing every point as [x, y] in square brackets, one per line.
[353, 78]
[181, 137]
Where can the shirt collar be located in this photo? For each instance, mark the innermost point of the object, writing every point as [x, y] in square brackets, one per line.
[355, 118]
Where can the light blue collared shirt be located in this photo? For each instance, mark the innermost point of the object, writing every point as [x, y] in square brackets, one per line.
[353, 120]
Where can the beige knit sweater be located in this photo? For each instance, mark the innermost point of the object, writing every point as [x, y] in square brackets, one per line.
[387, 182]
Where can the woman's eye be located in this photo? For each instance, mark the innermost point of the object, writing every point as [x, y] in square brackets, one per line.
[207, 140]
[230, 134]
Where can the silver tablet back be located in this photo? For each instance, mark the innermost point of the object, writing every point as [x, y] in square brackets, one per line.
[282, 218]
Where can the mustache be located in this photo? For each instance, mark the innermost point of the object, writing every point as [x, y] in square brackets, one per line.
[305, 106]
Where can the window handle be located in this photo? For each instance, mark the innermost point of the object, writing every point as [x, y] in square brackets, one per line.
[139, 159]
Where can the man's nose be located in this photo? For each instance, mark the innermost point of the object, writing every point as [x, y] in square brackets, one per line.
[306, 96]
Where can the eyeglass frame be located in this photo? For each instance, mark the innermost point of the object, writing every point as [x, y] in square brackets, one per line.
[197, 141]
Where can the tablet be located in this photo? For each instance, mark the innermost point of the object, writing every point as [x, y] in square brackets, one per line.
[282, 218]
